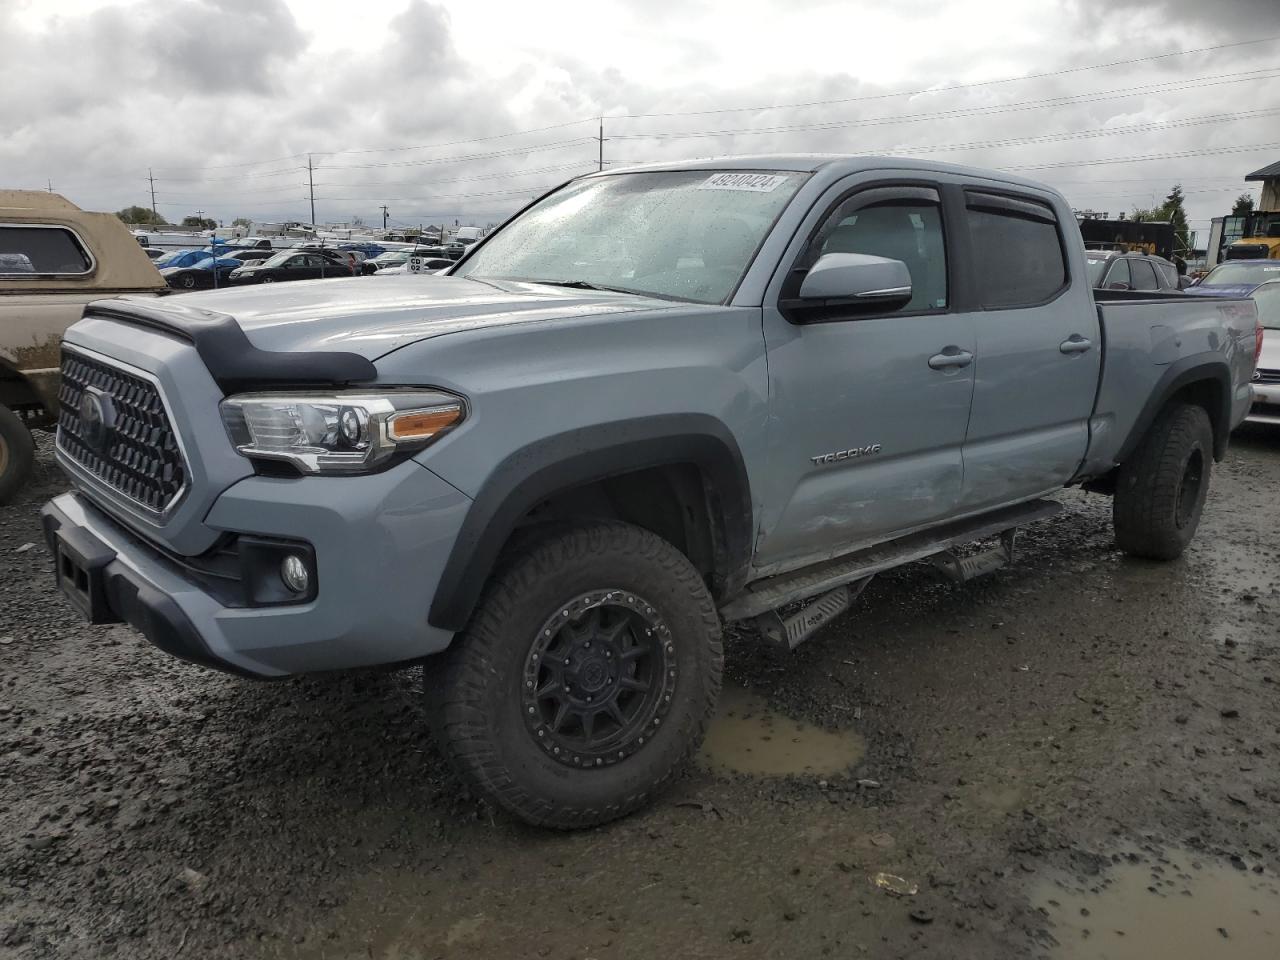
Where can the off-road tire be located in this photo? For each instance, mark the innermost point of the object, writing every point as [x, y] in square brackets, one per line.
[17, 454]
[1161, 488]
[474, 690]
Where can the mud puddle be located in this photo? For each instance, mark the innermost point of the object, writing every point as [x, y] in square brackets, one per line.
[748, 737]
[1183, 907]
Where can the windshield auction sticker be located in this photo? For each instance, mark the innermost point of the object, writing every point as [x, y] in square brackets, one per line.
[754, 182]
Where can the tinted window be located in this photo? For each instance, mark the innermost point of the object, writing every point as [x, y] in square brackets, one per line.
[910, 231]
[1118, 278]
[1167, 275]
[40, 250]
[1144, 278]
[1017, 255]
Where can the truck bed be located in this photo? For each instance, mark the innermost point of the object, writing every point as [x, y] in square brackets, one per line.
[1151, 343]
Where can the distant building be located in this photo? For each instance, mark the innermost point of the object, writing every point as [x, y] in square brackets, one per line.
[1269, 177]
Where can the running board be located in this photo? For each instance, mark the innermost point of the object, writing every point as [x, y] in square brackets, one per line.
[797, 628]
[774, 592]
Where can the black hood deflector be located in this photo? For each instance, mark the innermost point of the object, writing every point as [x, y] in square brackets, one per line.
[235, 363]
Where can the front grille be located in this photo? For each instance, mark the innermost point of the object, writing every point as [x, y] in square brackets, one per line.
[1267, 376]
[127, 442]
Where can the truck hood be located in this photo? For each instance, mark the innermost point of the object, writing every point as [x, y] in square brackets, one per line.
[374, 317]
[1235, 291]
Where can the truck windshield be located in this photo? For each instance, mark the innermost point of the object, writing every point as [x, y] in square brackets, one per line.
[684, 235]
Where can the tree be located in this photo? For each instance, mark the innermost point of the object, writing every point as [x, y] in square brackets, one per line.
[200, 223]
[242, 222]
[1141, 215]
[1174, 210]
[136, 214]
[1243, 206]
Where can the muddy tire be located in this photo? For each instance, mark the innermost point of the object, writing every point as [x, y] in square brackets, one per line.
[585, 679]
[17, 454]
[1161, 488]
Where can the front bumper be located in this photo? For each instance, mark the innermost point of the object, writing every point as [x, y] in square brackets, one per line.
[1266, 404]
[380, 542]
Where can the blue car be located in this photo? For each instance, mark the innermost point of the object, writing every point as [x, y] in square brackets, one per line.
[1237, 278]
[197, 270]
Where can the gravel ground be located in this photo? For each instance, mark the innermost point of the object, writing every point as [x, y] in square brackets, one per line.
[1026, 728]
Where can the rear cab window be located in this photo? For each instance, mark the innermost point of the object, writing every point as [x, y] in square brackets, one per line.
[37, 250]
[1018, 254]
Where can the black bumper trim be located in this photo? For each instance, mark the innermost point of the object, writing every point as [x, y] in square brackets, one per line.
[132, 600]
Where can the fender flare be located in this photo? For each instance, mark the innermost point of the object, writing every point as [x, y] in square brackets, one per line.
[1200, 367]
[566, 460]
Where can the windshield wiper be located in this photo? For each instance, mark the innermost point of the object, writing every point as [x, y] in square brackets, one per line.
[580, 285]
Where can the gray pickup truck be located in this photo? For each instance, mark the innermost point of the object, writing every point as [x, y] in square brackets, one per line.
[654, 401]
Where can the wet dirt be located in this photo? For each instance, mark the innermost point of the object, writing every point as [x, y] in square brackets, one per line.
[748, 736]
[1020, 732]
[1174, 906]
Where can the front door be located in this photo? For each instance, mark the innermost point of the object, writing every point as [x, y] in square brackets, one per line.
[868, 410]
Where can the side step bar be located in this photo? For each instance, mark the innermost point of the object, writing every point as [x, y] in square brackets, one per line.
[823, 578]
[798, 627]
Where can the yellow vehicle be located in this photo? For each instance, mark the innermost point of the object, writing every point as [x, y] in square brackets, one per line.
[54, 259]
[1261, 240]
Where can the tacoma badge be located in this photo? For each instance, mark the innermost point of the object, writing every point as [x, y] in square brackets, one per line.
[838, 455]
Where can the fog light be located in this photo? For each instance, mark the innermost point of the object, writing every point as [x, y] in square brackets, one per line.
[293, 571]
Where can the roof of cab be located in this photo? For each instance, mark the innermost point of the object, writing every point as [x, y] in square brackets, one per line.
[836, 164]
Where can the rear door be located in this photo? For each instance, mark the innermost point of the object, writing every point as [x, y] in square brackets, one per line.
[1038, 349]
[868, 411]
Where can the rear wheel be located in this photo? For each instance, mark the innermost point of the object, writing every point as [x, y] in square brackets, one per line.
[1161, 488]
[17, 454]
[586, 677]
[189, 281]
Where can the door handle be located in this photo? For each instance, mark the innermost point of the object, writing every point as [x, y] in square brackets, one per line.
[1075, 344]
[949, 358]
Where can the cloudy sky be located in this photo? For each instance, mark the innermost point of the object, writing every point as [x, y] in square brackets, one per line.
[465, 110]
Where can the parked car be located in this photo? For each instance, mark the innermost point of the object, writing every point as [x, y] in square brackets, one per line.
[391, 258]
[182, 258]
[54, 258]
[293, 265]
[1260, 281]
[1111, 270]
[253, 254]
[556, 486]
[202, 273]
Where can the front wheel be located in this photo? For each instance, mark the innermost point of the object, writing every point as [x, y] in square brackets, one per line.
[587, 676]
[1161, 488]
[17, 454]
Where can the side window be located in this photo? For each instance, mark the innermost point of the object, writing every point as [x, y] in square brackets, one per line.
[1118, 278]
[1167, 275]
[907, 227]
[1144, 278]
[27, 250]
[1017, 251]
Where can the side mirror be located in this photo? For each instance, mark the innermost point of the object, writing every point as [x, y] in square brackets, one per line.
[844, 284]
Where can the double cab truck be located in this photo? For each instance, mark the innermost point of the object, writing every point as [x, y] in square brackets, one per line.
[732, 390]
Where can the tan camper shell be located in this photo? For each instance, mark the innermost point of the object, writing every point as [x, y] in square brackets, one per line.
[54, 259]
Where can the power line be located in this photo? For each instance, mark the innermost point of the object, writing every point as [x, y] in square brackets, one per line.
[1018, 106]
[1212, 151]
[945, 89]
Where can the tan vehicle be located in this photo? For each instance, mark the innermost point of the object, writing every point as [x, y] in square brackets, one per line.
[54, 258]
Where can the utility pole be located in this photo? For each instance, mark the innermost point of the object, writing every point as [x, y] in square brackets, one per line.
[384, 216]
[600, 140]
[51, 186]
[311, 182]
[155, 217]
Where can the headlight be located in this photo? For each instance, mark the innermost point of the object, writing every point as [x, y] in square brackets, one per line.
[337, 432]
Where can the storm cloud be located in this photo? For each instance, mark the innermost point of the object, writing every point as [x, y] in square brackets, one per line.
[421, 107]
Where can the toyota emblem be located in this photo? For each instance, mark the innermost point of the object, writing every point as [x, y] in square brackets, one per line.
[97, 418]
